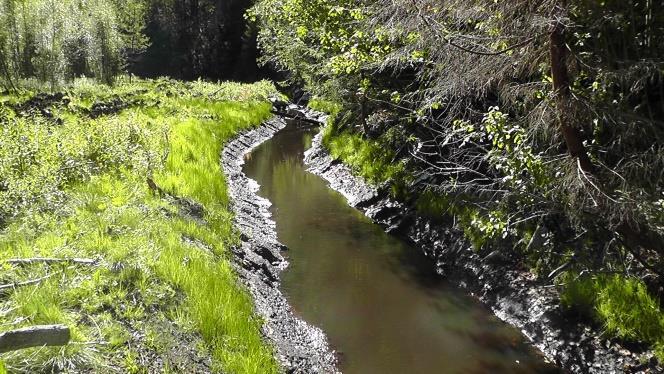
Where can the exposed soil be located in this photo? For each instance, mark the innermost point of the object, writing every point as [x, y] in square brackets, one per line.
[44, 103]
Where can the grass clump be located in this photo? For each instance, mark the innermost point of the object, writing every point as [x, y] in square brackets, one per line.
[368, 158]
[74, 185]
[325, 106]
[621, 304]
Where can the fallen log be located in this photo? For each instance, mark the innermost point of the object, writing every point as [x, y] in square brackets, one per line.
[298, 118]
[34, 336]
[48, 260]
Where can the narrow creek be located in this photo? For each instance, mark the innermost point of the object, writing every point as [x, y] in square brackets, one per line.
[376, 297]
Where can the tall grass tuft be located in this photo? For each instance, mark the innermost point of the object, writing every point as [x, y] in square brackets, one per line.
[621, 304]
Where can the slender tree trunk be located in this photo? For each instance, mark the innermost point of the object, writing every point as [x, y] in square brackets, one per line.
[561, 87]
[8, 77]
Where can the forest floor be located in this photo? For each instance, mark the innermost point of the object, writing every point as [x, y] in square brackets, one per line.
[128, 179]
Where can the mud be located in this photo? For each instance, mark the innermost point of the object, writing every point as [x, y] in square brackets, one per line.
[512, 293]
[300, 347]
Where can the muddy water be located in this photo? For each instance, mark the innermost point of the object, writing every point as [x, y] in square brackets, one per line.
[378, 300]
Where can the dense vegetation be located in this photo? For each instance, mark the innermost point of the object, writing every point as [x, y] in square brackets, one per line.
[199, 38]
[127, 176]
[58, 41]
[536, 125]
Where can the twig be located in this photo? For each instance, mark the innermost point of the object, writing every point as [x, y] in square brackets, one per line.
[557, 271]
[6, 287]
[48, 260]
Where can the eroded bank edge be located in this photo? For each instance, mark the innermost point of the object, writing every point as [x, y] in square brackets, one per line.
[514, 295]
[300, 347]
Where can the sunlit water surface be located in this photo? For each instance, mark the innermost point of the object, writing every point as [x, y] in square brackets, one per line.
[375, 296]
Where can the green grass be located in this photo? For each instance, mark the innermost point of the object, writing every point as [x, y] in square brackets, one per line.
[622, 305]
[78, 189]
[367, 158]
[325, 106]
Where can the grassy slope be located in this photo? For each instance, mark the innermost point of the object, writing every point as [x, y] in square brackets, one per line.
[621, 305]
[76, 187]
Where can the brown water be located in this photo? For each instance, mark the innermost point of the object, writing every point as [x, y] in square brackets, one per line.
[376, 297]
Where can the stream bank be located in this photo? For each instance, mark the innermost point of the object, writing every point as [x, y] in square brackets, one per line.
[300, 347]
[512, 293]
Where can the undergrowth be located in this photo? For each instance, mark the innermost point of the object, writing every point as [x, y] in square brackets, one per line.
[76, 187]
[368, 158]
[622, 305]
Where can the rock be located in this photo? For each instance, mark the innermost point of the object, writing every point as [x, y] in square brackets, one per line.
[278, 104]
[295, 111]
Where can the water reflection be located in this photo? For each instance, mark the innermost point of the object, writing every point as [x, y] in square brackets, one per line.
[377, 298]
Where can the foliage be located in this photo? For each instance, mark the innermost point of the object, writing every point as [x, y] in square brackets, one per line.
[160, 267]
[202, 38]
[318, 40]
[509, 118]
[56, 41]
[510, 153]
[131, 19]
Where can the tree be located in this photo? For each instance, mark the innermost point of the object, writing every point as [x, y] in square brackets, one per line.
[561, 88]
[577, 143]
[132, 24]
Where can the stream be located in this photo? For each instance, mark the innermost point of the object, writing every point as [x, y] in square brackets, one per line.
[378, 299]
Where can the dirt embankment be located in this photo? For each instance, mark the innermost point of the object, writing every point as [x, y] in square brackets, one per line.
[512, 293]
[300, 347]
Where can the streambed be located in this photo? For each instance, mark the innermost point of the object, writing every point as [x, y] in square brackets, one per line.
[377, 298]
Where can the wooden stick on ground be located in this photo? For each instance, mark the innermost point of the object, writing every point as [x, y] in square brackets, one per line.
[48, 260]
[6, 287]
[34, 336]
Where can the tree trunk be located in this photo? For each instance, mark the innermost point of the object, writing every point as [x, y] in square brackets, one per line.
[561, 88]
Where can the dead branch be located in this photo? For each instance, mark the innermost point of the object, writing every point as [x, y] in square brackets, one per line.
[11, 286]
[48, 260]
[34, 336]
